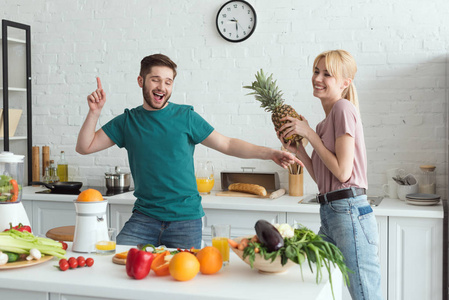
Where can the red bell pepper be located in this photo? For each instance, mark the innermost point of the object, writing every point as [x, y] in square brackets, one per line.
[138, 262]
[19, 227]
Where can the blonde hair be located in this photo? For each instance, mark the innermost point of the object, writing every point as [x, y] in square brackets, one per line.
[340, 64]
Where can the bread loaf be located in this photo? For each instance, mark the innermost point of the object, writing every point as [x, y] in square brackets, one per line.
[248, 188]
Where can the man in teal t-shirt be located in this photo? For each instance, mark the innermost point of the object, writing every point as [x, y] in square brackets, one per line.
[160, 138]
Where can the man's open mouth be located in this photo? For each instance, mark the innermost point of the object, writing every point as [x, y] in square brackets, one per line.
[158, 96]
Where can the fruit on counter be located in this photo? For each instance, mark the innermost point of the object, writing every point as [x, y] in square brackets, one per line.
[73, 263]
[22, 242]
[269, 235]
[90, 195]
[9, 189]
[267, 92]
[19, 227]
[184, 266]
[210, 260]
[121, 255]
[248, 188]
[161, 263]
[89, 262]
[64, 245]
[138, 262]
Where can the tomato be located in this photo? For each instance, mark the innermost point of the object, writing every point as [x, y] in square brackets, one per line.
[63, 265]
[73, 263]
[81, 261]
[89, 262]
[64, 245]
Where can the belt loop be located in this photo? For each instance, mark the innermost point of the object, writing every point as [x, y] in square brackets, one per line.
[354, 193]
[325, 198]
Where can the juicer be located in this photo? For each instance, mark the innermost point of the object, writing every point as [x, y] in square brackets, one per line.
[90, 226]
[11, 180]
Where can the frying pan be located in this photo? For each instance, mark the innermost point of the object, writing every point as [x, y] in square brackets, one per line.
[62, 186]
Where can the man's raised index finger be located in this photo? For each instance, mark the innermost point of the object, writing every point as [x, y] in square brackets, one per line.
[99, 83]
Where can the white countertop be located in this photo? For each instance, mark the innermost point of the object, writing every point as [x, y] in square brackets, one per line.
[108, 280]
[388, 207]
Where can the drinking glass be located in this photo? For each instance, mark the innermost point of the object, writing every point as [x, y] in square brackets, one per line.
[107, 246]
[204, 174]
[220, 235]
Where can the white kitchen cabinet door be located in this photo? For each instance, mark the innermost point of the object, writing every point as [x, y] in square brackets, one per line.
[119, 214]
[51, 214]
[242, 222]
[12, 294]
[415, 258]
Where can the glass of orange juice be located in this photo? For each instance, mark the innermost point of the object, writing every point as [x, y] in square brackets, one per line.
[220, 235]
[204, 174]
[107, 246]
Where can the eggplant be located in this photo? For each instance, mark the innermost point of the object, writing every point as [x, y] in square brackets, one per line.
[269, 235]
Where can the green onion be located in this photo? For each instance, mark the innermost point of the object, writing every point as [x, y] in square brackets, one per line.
[21, 242]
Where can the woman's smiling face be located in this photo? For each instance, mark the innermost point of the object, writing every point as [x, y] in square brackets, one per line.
[326, 86]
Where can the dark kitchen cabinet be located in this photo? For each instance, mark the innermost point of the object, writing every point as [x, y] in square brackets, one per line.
[15, 87]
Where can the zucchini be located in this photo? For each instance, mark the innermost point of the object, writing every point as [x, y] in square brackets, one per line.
[269, 235]
[12, 257]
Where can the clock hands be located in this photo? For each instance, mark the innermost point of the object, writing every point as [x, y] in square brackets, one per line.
[237, 24]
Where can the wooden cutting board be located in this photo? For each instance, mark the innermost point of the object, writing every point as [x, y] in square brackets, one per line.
[270, 195]
[240, 194]
[64, 233]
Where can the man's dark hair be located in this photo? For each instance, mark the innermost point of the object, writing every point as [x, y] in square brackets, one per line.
[156, 60]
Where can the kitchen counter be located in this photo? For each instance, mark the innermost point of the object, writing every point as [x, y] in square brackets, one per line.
[388, 207]
[109, 281]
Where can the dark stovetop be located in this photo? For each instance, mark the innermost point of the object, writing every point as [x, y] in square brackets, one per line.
[102, 189]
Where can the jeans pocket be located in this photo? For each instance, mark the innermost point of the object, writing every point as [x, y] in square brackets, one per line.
[368, 224]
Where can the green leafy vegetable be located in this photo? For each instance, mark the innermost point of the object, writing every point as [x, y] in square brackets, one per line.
[305, 244]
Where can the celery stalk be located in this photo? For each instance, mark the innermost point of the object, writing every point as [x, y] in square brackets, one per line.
[21, 242]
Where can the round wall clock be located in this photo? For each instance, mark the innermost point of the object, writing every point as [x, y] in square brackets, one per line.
[236, 20]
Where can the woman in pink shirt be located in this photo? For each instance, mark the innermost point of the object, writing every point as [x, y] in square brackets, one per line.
[338, 165]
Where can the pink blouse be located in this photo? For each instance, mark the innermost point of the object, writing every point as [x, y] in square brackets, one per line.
[343, 119]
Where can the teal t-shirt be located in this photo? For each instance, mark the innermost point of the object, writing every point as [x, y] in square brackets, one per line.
[160, 147]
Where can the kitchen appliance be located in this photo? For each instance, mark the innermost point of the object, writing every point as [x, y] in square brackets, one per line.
[102, 189]
[11, 207]
[117, 180]
[91, 225]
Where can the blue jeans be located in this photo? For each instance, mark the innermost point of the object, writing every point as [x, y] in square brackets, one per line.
[142, 229]
[350, 224]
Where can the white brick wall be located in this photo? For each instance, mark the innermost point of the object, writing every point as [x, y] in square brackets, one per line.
[401, 48]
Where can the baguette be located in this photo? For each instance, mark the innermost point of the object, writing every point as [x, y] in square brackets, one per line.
[248, 188]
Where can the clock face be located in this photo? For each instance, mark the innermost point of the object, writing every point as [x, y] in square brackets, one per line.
[236, 20]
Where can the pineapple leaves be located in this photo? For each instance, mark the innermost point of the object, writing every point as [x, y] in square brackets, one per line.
[266, 91]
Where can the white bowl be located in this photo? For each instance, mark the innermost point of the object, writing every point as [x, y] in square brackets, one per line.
[261, 264]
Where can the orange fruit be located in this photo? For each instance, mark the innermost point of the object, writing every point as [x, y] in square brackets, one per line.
[210, 260]
[184, 266]
[90, 195]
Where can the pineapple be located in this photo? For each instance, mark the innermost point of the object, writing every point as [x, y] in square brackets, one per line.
[270, 97]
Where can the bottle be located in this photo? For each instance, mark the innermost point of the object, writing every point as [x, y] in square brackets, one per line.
[51, 167]
[63, 168]
[427, 184]
[46, 178]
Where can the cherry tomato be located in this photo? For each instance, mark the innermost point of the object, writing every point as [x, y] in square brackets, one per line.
[81, 261]
[64, 245]
[89, 262]
[63, 265]
[73, 263]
